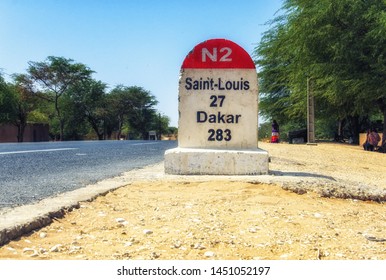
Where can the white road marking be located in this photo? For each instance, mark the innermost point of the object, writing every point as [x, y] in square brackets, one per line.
[37, 151]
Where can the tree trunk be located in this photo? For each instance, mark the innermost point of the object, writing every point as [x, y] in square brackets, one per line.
[20, 132]
[120, 125]
[382, 106]
[95, 127]
[342, 123]
[384, 125]
[61, 123]
[21, 123]
[354, 123]
[61, 120]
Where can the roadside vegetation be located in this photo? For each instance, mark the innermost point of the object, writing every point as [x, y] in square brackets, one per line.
[339, 47]
[63, 93]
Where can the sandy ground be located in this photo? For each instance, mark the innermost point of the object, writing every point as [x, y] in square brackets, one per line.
[318, 202]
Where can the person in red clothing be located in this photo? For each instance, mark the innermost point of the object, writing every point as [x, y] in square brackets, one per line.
[372, 140]
[275, 132]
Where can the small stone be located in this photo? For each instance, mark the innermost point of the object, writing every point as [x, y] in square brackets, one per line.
[199, 246]
[121, 221]
[30, 252]
[176, 244]
[147, 231]
[42, 251]
[74, 249]
[91, 236]
[43, 235]
[317, 215]
[252, 230]
[56, 248]
[284, 256]
[209, 254]
[27, 250]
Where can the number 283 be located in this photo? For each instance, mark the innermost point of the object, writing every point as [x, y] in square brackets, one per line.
[219, 135]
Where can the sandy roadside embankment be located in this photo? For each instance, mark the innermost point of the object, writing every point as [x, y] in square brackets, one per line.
[290, 214]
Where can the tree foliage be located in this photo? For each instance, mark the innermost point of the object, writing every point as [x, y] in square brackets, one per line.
[7, 102]
[57, 75]
[339, 45]
[76, 106]
[16, 104]
[87, 99]
[143, 117]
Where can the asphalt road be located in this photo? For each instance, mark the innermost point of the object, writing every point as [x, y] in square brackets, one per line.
[30, 172]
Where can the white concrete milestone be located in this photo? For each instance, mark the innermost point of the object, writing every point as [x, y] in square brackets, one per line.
[218, 113]
[216, 162]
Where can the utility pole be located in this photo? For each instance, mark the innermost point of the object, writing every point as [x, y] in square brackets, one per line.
[310, 114]
[159, 126]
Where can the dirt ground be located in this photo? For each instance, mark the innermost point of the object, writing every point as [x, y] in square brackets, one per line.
[316, 203]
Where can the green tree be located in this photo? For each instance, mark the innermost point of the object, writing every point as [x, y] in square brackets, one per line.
[88, 99]
[25, 104]
[7, 102]
[75, 124]
[121, 103]
[340, 45]
[56, 76]
[17, 104]
[143, 116]
[135, 105]
[162, 125]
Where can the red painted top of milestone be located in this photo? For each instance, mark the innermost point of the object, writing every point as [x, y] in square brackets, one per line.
[218, 53]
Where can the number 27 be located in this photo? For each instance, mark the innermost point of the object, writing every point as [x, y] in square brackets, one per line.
[217, 100]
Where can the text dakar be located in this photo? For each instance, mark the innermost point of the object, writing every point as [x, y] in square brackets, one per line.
[203, 117]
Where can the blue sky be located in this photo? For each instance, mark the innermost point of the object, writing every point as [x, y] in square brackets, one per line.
[130, 42]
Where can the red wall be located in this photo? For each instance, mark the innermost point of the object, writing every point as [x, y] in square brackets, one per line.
[32, 133]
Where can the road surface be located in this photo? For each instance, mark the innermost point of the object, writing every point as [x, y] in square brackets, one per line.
[30, 172]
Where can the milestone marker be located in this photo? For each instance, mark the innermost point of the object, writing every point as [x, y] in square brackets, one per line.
[218, 113]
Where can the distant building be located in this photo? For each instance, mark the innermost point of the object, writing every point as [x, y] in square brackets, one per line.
[32, 133]
[152, 135]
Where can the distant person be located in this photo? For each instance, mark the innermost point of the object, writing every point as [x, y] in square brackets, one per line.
[382, 148]
[366, 144]
[372, 140]
[275, 132]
